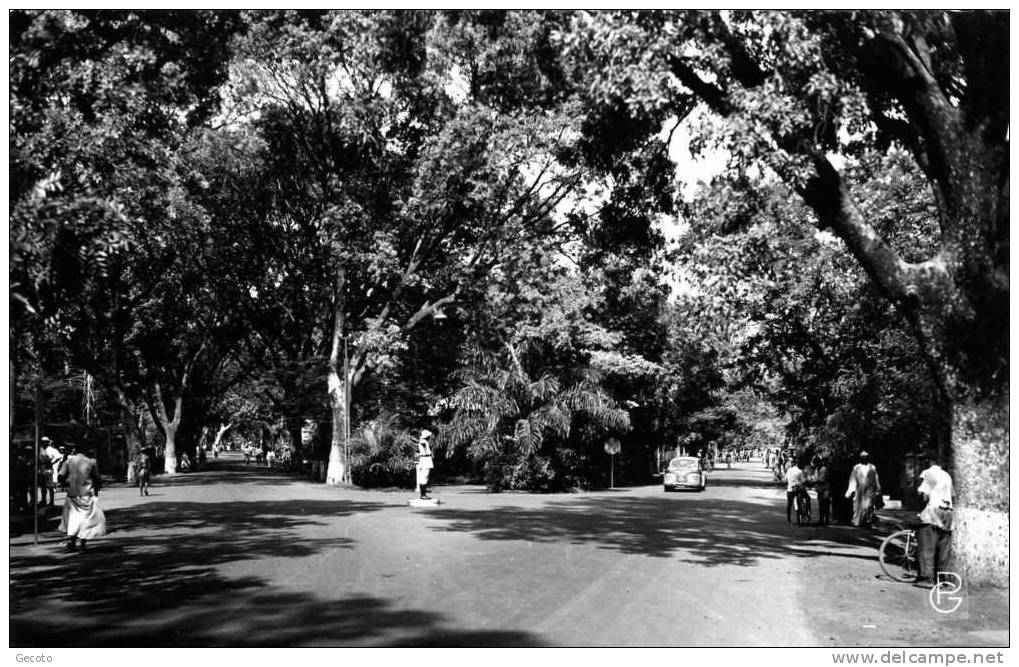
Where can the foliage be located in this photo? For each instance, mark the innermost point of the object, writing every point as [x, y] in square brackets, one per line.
[518, 425]
[383, 454]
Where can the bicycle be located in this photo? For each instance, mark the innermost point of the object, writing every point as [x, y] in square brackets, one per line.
[898, 555]
[802, 505]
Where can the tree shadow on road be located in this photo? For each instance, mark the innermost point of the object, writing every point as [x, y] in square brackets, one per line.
[231, 472]
[700, 530]
[269, 619]
[164, 579]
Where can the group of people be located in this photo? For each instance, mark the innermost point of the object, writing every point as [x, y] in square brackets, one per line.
[934, 535]
[68, 469]
[267, 457]
[35, 480]
[864, 489]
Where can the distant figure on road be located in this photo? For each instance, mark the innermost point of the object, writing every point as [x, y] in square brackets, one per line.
[934, 537]
[823, 487]
[247, 454]
[795, 480]
[143, 470]
[864, 485]
[425, 465]
[270, 458]
[202, 459]
[83, 518]
[50, 460]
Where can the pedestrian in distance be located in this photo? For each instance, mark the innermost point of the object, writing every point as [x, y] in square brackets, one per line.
[934, 536]
[202, 459]
[864, 488]
[49, 469]
[23, 479]
[270, 458]
[65, 452]
[823, 488]
[143, 471]
[83, 518]
[425, 464]
[795, 486]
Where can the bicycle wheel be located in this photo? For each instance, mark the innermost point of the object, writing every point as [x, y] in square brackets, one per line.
[802, 512]
[898, 555]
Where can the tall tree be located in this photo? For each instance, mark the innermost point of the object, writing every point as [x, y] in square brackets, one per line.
[100, 104]
[789, 91]
[407, 192]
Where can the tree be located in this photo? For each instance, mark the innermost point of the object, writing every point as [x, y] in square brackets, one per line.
[100, 104]
[787, 91]
[406, 194]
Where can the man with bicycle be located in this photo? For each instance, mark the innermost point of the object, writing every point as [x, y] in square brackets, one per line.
[934, 536]
[795, 486]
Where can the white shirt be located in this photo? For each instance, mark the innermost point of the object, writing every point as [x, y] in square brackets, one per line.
[936, 484]
[793, 477]
[424, 455]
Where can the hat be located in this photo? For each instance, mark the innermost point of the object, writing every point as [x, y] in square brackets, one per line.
[45, 439]
[864, 454]
[425, 434]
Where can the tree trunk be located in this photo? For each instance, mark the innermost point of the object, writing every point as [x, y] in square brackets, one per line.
[336, 472]
[134, 441]
[294, 428]
[223, 428]
[980, 471]
[169, 424]
[170, 451]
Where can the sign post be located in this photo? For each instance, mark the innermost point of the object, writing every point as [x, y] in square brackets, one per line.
[612, 448]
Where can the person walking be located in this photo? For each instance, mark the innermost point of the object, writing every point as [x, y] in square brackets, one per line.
[82, 519]
[143, 469]
[270, 458]
[425, 464]
[823, 489]
[864, 486]
[934, 536]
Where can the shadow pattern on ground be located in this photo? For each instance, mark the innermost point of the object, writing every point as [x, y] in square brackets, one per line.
[700, 530]
[163, 580]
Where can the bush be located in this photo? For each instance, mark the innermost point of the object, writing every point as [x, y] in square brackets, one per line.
[383, 454]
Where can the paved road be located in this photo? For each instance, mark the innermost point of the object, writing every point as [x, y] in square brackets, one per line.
[245, 556]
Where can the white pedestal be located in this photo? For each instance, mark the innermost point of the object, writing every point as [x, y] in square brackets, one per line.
[423, 502]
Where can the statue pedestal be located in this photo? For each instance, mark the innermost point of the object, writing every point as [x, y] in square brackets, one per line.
[422, 502]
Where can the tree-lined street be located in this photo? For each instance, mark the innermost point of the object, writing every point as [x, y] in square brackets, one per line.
[245, 556]
[545, 262]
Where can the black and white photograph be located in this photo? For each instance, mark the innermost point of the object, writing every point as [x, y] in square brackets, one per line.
[529, 328]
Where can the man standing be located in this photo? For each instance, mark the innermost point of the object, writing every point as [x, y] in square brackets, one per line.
[425, 465]
[82, 517]
[934, 536]
[795, 479]
[864, 485]
[50, 460]
[823, 491]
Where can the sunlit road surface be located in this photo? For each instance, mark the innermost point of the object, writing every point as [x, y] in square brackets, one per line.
[245, 556]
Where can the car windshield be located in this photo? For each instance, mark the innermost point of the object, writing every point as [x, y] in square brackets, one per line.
[683, 464]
